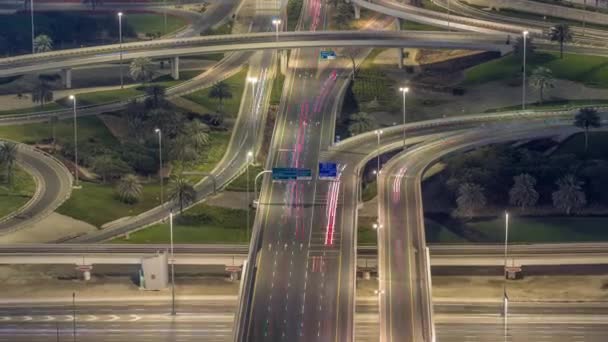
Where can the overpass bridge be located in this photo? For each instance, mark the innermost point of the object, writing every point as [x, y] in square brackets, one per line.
[174, 48]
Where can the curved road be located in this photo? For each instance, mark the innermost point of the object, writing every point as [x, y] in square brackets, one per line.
[53, 183]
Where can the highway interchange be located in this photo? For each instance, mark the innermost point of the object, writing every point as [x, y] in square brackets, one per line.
[299, 281]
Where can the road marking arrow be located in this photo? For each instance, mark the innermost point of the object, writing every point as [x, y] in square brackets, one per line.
[91, 318]
[27, 318]
[49, 318]
[113, 318]
[134, 318]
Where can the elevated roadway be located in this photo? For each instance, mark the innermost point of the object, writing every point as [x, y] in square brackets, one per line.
[167, 48]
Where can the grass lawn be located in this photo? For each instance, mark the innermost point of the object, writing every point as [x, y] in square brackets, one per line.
[372, 84]
[231, 105]
[214, 152]
[199, 224]
[539, 17]
[562, 104]
[545, 229]
[598, 145]
[15, 196]
[240, 183]
[407, 25]
[277, 89]
[97, 203]
[294, 7]
[151, 23]
[89, 128]
[33, 109]
[589, 70]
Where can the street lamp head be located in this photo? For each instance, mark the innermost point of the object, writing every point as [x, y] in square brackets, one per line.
[249, 154]
[375, 172]
[404, 89]
[72, 97]
[252, 79]
[526, 33]
[157, 130]
[276, 21]
[375, 226]
[119, 14]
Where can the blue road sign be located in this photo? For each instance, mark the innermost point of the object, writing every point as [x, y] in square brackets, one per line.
[328, 171]
[327, 55]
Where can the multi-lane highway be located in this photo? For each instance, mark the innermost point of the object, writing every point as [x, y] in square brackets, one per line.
[212, 320]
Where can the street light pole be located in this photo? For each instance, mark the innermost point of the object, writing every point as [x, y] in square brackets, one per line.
[160, 161]
[120, 48]
[74, 316]
[255, 184]
[404, 91]
[73, 98]
[378, 134]
[276, 23]
[523, 92]
[32, 17]
[249, 157]
[253, 81]
[172, 265]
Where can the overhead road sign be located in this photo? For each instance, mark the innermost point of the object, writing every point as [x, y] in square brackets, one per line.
[327, 55]
[290, 173]
[328, 171]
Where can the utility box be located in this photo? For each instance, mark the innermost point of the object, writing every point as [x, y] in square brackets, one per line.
[155, 275]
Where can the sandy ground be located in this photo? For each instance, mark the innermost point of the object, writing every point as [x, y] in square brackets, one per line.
[31, 282]
[50, 229]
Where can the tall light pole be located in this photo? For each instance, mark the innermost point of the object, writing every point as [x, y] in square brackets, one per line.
[32, 17]
[449, 28]
[249, 159]
[172, 265]
[73, 98]
[378, 134]
[523, 91]
[276, 23]
[120, 48]
[255, 186]
[160, 162]
[404, 91]
[74, 316]
[253, 81]
[505, 298]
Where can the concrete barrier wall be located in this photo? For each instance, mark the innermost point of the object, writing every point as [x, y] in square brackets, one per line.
[544, 9]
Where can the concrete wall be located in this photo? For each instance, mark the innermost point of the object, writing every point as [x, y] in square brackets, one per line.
[545, 9]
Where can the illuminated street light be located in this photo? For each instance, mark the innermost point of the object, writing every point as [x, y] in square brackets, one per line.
[120, 14]
[378, 133]
[523, 92]
[249, 160]
[404, 91]
[276, 23]
[160, 161]
[73, 98]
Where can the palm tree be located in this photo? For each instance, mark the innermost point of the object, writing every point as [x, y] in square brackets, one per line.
[360, 122]
[523, 194]
[129, 189]
[470, 199]
[541, 78]
[181, 191]
[157, 93]
[43, 43]
[585, 119]
[560, 33]
[518, 47]
[42, 93]
[8, 157]
[569, 194]
[220, 90]
[140, 69]
[197, 134]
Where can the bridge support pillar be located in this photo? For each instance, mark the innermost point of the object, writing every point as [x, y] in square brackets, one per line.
[357, 11]
[398, 22]
[235, 272]
[284, 61]
[66, 75]
[175, 68]
[400, 57]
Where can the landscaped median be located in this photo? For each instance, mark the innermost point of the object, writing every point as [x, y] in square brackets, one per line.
[15, 191]
[200, 224]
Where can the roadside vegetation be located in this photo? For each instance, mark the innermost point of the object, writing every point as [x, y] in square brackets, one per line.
[16, 185]
[554, 190]
[72, 29]
[200, 224]
[223, 97]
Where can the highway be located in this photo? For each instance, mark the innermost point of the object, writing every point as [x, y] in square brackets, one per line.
[166, 48]
[404, 269]
[53, 187]
[212, 320]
